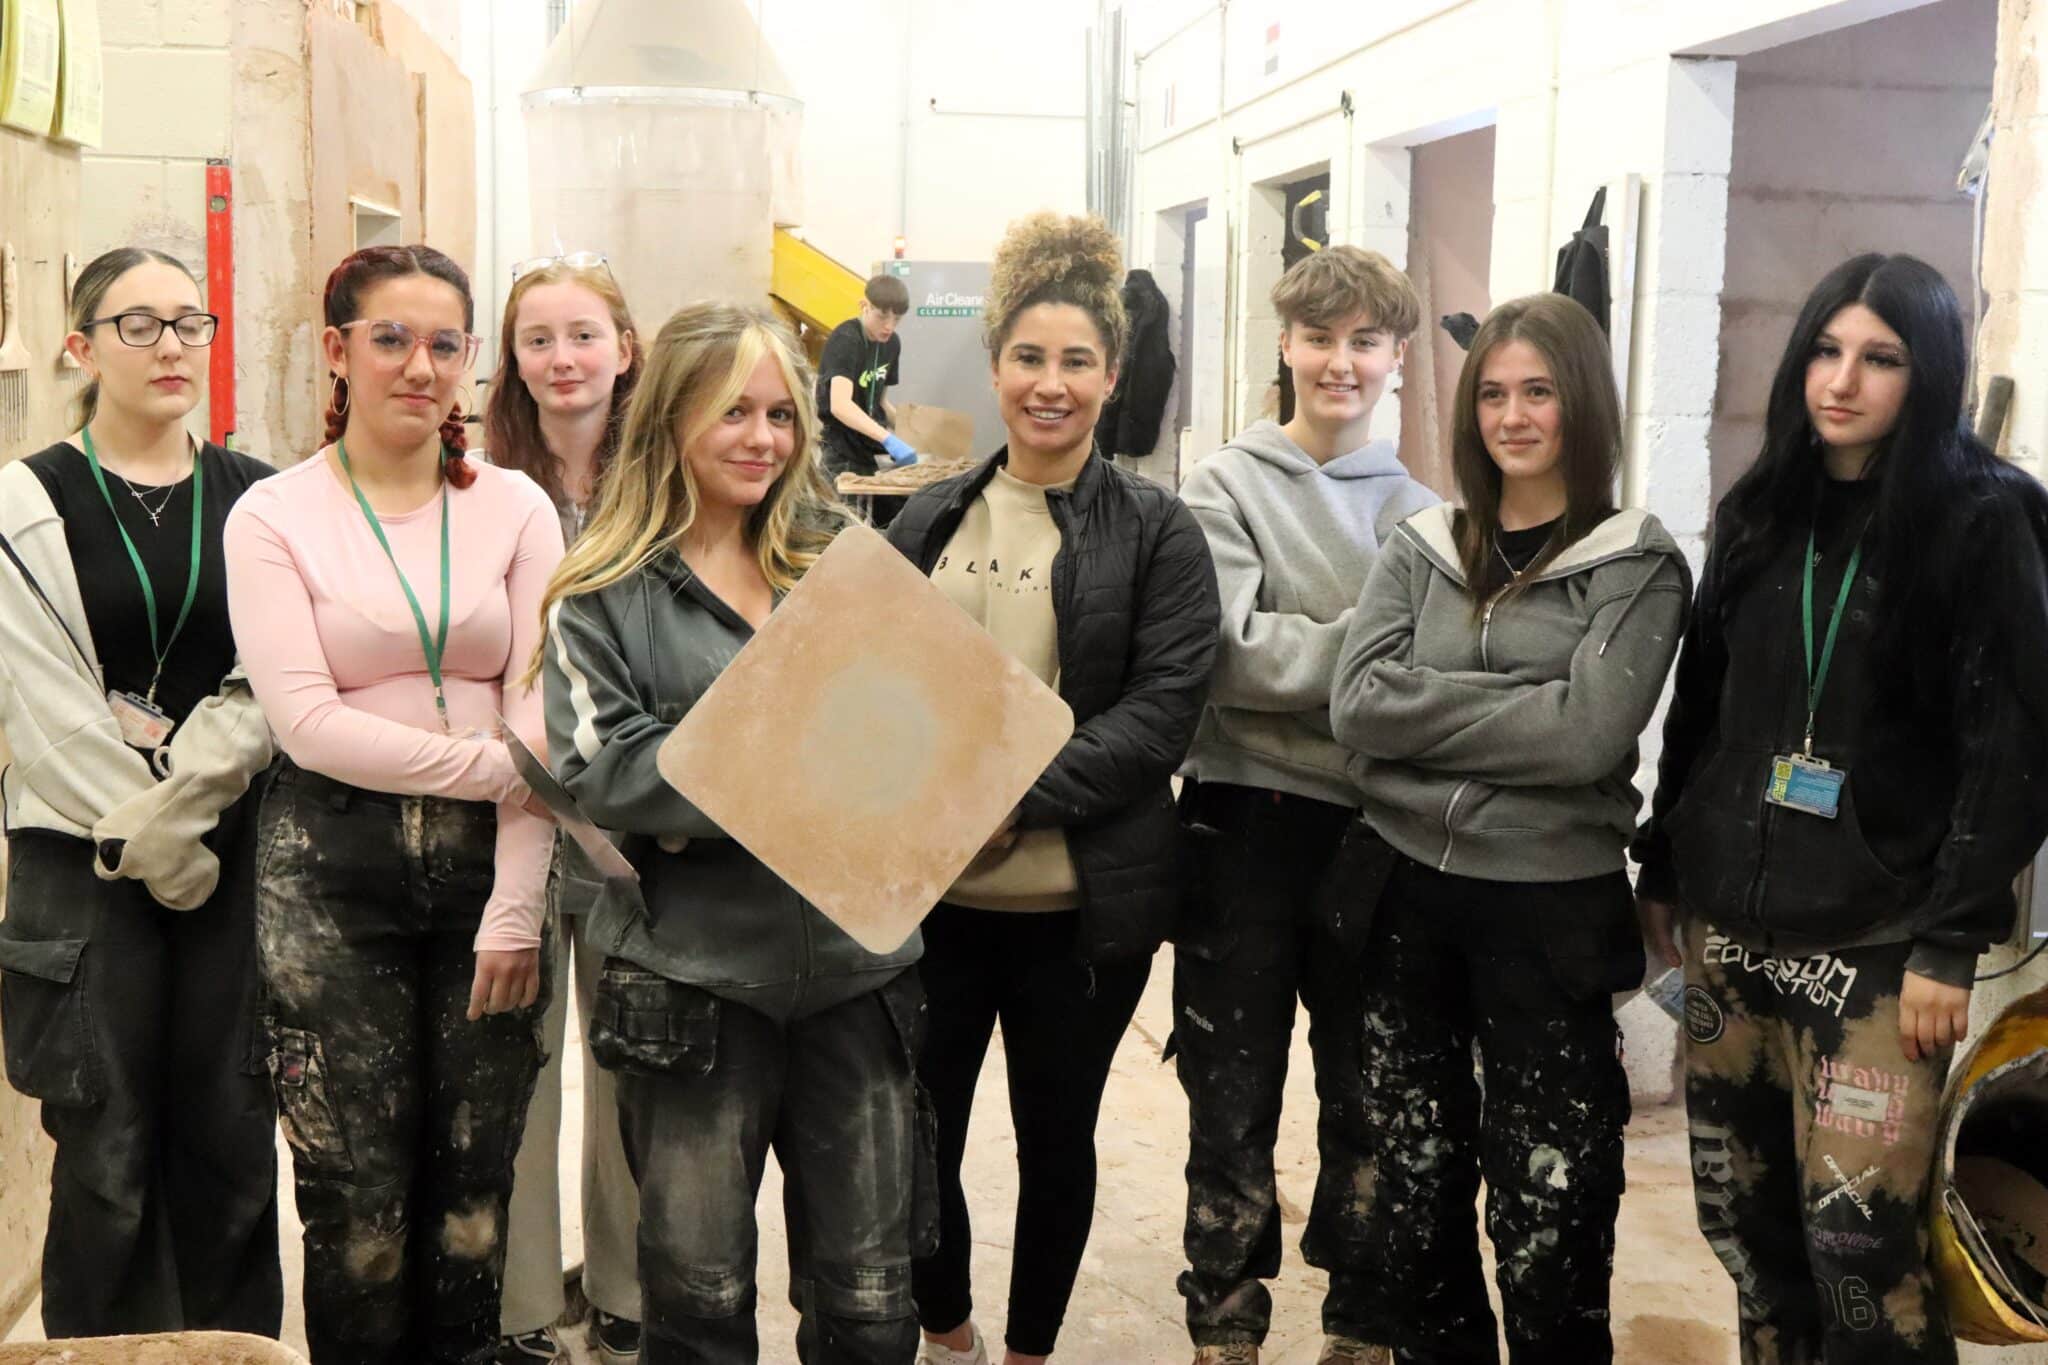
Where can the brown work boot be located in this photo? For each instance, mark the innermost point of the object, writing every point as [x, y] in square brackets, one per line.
[1352, 1351]
[1229, 1353]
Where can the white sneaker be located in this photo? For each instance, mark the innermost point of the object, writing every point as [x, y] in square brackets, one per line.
[931, 1353]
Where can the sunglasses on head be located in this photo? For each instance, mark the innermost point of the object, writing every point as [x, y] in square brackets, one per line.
[575, 260]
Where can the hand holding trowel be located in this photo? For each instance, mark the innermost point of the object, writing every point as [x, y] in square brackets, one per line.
[603, 854]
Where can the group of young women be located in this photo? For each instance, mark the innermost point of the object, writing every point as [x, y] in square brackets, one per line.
[269, 852]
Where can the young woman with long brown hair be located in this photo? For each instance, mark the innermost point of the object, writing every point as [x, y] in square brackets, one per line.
[1502, 661]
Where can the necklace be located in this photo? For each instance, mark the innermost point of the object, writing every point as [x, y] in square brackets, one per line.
[155, 513]
[1514, 574]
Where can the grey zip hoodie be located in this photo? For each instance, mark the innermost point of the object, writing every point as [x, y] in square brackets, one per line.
[1293, 542]
[1504, 746]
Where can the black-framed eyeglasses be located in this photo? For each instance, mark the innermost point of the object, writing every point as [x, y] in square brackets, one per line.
[145, 329]
[392, 344]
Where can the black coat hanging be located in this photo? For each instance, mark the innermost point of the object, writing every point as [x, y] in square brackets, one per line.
[1130, 420]
[1582, 263]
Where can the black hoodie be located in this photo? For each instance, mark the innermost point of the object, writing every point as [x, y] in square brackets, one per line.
[1939, 811]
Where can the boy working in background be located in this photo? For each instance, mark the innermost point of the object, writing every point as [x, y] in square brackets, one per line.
[863, 358]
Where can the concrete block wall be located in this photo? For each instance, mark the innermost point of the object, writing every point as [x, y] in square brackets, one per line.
[277, 293]
[190, 80]
[2014, 337]
[1258, 332]
[169, 107]
[1844, 143]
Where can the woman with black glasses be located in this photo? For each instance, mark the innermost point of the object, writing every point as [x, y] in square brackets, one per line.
[386, 594]
[127, 971]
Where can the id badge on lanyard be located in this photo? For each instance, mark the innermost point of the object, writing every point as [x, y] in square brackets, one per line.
[1801, 781]
[145, 725]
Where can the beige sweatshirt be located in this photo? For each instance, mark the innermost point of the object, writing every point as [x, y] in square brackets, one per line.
[998, 569]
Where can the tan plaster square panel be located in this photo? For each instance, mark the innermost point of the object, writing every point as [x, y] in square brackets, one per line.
[867, 741]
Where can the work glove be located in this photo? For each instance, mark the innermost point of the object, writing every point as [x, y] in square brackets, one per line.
[155, 837]
[900, 451]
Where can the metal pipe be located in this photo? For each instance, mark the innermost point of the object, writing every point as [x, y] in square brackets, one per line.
[1091, 196]
[1003, 113]
[903, 151]
[1121, 119]
[1232, 270]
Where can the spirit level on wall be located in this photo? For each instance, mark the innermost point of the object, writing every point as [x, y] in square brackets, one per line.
[220, 300]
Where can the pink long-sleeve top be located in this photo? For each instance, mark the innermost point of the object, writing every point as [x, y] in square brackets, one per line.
[334, 656]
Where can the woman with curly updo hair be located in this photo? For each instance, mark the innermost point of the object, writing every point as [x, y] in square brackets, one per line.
[1100, 582]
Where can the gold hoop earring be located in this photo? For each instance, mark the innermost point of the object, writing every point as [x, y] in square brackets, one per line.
[464, 408]
[338, 396]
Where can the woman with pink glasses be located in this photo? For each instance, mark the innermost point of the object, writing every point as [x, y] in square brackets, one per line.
[385, 596]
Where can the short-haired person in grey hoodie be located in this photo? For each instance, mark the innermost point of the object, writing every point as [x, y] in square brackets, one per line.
[1295, 515]
[1501, 664]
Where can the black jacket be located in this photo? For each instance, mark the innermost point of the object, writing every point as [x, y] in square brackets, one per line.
[1939, 811]
[1135, 597]
[1130, 420]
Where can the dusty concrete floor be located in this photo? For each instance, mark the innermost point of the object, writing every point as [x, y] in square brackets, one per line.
[1672, 1302]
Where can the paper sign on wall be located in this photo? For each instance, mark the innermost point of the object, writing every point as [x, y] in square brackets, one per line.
[81, 84]
[30, 43]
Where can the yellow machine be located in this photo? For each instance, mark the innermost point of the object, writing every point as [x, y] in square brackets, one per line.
[812, 291]
[1989, 1209]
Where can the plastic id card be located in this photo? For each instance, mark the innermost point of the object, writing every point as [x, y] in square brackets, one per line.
[143, 725]
[1806, 784]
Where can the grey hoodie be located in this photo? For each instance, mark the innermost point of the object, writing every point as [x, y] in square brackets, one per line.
[1504, 746]
[1293, 542]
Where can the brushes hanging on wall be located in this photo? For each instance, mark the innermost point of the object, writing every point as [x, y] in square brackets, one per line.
[14, 356]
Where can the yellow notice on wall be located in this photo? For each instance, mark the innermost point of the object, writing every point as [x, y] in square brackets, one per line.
[29, 48]
[81, 87]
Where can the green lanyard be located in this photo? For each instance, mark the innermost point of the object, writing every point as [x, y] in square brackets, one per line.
[1818, 679]
[161, 649]
[430, 645]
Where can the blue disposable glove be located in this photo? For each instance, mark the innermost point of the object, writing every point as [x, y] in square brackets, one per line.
[900, 450]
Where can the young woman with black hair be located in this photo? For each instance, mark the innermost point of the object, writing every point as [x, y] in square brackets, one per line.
[1851, 779]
